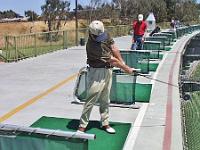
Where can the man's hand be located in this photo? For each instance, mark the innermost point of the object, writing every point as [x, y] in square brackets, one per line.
[143, 38]
[133, 41]
[116, 63]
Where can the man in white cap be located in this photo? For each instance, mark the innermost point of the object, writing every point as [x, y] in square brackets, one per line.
[139, 28]
[102, 55]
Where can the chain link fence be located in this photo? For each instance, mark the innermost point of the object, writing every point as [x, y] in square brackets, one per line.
[190, 92]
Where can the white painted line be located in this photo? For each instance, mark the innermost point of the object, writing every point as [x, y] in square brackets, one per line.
[133, 133]
[135, 128]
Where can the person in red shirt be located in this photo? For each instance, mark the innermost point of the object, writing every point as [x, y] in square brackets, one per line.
[139, 28]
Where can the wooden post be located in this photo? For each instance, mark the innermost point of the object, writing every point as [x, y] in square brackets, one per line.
[35, 44]
[16, 51]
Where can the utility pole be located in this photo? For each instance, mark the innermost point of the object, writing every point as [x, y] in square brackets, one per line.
[76, 15]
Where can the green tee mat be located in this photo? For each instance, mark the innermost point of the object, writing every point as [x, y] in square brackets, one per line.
[103, 141]
[40, 142]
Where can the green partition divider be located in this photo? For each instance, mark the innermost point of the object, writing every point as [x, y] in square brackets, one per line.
[122, 90]
[163, 39]
[143, 92]
[169, 36]
[153, 66]
[137, 59]
[173, 33]
[168, 48]
[155, 56]
[103, 141]
[152, 45]
[38, 142]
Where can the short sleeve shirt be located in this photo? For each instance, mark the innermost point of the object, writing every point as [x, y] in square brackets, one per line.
[139, 28]
[98, 53]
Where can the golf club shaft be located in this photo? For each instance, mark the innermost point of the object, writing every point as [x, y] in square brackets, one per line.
[156, 79]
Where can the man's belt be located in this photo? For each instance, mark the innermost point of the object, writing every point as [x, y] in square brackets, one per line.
[102, 66]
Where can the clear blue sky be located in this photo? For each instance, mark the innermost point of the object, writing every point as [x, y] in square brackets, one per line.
[19, 6]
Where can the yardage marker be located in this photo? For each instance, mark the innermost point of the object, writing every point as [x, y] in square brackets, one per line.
[36, 98]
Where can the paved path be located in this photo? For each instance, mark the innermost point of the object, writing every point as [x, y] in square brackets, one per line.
[44, 85]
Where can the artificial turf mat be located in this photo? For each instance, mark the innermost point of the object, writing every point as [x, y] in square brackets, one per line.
[103, 141]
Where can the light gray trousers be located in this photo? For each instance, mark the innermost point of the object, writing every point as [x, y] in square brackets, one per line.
[98, 90]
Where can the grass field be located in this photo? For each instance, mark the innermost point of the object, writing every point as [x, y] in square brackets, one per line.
[191, 120]
[191, 111]
[18, 28]
[196, 73]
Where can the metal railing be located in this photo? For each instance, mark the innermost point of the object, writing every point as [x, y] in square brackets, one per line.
[31, 45]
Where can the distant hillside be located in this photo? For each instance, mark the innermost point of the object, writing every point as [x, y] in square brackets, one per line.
[16, 28]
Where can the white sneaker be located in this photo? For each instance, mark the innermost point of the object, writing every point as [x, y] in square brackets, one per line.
[109, 129]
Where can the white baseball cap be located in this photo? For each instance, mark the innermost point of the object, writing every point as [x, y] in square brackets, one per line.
[140, 17]
[96, 27]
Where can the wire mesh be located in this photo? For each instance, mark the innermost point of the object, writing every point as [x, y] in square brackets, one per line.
[190, 92]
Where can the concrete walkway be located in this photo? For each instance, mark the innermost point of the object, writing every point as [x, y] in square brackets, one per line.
[43, 86]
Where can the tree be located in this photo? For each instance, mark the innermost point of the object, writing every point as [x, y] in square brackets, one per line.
[192, 11]
[9, 14]
[94, 4]
[80, 7]
[158, 7]
[32, 16]
[53, 12]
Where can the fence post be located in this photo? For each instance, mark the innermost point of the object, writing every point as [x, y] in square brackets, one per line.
[6, 46]
[64, 39]
[35, 45]
[16, 52]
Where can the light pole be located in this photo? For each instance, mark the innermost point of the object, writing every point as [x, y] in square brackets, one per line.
[76, 16]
